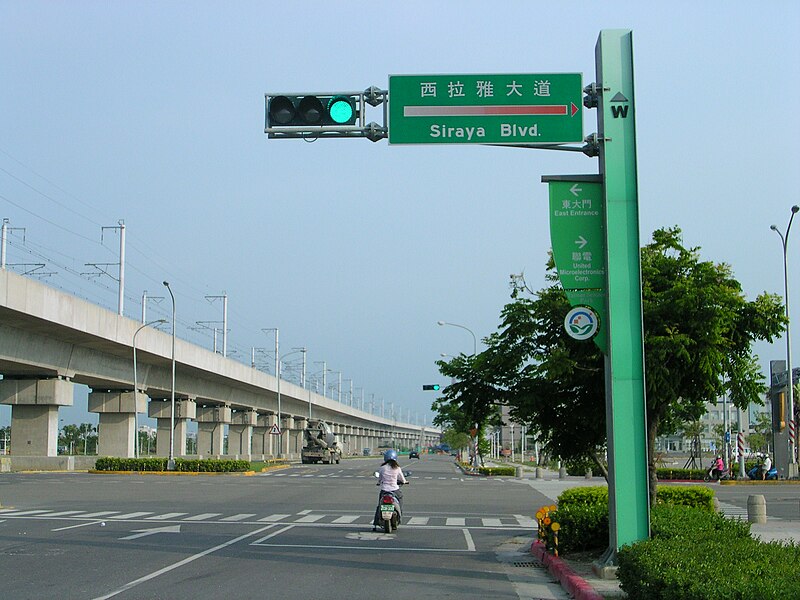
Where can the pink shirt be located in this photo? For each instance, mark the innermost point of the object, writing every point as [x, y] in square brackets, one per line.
[388, 478]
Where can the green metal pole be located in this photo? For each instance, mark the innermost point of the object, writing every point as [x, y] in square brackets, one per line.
[625, 398]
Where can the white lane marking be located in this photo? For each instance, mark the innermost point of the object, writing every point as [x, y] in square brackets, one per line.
[309, 519]
[526, 522]
[418, 521]
[64, 513]
[76, 526]
[137, 533]
[239, 517]
[492, 522]
[102, 513]
[21, 513]
[5, 510]
[165, 516]
[455, 521]
[180, 563]
[274, 518]
[272, 535]
[346, 519]
[470, 543]
[133, 515]
[304, 512]
[202, 517]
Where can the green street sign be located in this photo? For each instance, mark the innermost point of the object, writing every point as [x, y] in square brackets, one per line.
[486, 109]
[576, 230]
[578, 240]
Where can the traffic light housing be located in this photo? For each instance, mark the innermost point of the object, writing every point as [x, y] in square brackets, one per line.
[312, 110]
[431, 387]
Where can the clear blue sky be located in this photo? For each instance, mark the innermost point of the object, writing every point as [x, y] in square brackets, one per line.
[153, 112]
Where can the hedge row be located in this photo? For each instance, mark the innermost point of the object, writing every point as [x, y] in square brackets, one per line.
[583, 513]
[497, 470]
[706, 556]
[681, 474]
[191, 465]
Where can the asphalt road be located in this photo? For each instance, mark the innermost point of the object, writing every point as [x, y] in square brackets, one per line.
[303, 532]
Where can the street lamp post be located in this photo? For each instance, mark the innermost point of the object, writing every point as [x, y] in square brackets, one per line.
[280, 424]
[136, 388]
[171, 460]
[474, 338]
[790, 381]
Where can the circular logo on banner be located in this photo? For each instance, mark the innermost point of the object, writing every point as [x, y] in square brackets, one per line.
[581, 323]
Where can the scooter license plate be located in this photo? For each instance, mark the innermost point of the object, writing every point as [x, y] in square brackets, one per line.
[387, 509]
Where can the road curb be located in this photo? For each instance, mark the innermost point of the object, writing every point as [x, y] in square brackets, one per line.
[573, 583]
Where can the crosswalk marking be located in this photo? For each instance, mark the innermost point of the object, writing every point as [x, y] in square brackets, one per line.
[133, 515]
[731, 510]
[202, 517]
[309, 519]
[303, 517]
[64, 513]
[26, 512]
[239, 517]
[166, 516]
[346, 519]
[274, 518]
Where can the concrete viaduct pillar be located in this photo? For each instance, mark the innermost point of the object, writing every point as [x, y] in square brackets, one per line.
[300, 424]
[286, 436]
[262, 440]
[160, 409]
[211, 421]
[117, 428]
[34, 413]
[240, 433]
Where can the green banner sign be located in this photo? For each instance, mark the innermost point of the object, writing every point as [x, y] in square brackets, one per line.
[578, 241]
[486, 109]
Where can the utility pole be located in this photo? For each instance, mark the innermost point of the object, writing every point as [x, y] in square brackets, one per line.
[120, 279]
[224, 298]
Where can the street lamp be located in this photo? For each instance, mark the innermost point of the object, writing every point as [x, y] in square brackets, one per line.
[280, 424]
[135, 387]
[474, 339]
[790, 379]
[171, 460]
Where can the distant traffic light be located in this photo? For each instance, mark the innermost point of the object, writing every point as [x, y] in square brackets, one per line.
[432, 386]
[312, 111]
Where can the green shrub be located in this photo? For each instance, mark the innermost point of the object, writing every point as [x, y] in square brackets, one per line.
[584, 496]
[677, 568]
[497, 471]
[185, 465]
[695, 496]
[582, 527]
[583, 514]
[680, 474]
[681, 521]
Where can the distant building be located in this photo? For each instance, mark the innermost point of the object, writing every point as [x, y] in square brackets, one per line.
[708, 438]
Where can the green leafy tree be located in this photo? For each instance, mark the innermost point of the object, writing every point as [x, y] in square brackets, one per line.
[698, 333]
[455, 439]
[761, 438]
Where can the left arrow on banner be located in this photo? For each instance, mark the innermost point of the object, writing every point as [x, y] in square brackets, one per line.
[137, 533]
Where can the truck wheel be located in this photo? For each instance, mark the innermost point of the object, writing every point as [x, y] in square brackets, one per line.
[337, 461]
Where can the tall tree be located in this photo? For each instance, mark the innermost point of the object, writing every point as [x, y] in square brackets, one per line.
[698, 333]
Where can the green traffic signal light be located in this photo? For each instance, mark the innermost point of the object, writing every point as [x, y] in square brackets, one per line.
[312, 111]
[341, 109]
[431, 387]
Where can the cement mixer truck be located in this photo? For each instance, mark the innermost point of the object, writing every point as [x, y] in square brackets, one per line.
[320, 444]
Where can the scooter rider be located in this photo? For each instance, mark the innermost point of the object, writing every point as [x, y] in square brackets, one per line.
[390, 476]
[717, 468]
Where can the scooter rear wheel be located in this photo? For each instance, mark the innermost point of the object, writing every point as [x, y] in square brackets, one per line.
[387, 526]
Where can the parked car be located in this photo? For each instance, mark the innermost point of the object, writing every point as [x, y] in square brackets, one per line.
[413, 454]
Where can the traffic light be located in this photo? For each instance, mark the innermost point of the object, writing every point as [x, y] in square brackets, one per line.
[433, 386]
[303, 111]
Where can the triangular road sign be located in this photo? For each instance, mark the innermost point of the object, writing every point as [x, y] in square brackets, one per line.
[275, 430]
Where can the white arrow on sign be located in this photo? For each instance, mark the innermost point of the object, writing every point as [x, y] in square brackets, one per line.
[575, 190]
[581, 241]
[137, 533]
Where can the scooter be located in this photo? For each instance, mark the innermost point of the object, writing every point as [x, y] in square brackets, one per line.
[755, 473]
[714, 475]
[389, 508]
